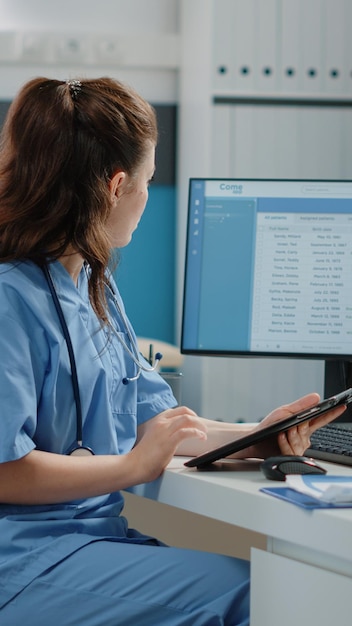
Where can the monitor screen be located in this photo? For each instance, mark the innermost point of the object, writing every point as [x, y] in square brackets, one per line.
[268, 268]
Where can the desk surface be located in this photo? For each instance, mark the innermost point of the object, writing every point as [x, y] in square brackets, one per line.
[233, 496]
[310, 549]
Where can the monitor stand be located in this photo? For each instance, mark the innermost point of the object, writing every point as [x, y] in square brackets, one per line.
[338, 377]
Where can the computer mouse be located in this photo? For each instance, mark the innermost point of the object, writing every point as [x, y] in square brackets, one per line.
[277, 467]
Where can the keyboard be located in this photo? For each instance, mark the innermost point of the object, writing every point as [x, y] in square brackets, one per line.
[332, 443]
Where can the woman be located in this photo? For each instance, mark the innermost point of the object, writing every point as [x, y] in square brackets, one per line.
[75, 163]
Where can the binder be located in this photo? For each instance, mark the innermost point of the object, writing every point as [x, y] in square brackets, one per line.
[243, 45]
[334, 69]
[310, 44]
[347, 47]
[223, 59]
[266, 46]
[289, 67]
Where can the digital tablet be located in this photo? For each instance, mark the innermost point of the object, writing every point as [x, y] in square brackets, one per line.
[201, 461]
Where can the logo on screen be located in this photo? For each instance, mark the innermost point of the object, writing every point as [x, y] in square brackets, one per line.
[236, 189]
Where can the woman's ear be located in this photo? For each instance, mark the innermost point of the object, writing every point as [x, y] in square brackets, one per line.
[117, 183]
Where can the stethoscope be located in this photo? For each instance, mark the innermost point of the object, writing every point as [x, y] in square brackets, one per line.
[79, 448]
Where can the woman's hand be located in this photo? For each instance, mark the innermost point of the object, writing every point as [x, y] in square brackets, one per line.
[297, 439]
[159, 438]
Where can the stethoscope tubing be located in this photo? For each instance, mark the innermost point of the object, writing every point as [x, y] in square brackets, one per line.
[134, 355]
[66, 333]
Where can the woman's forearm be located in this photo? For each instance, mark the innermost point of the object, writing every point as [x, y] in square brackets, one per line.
[46, 478]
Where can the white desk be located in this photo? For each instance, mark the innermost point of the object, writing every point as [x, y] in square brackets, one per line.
[305, 576]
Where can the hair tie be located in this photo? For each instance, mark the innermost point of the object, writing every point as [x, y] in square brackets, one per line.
[75, 87]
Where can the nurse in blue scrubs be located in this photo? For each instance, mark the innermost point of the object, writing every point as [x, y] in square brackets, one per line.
[83, 415]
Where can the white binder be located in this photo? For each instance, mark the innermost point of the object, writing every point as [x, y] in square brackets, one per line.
[244, 45]
[347, 38]
[289, 64]
[310, 44]
[267, 44]
[223, 34]
[336, 64]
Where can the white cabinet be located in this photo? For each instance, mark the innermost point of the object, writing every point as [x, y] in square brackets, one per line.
[285, 592]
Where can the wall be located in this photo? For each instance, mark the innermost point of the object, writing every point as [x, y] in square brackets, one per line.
[146, 272]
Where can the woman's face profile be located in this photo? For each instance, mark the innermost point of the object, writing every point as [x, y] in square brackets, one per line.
[130, 195]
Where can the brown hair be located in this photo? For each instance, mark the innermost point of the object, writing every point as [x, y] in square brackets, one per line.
[61, 144]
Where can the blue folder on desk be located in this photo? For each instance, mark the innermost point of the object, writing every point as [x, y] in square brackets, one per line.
[312, 491]
[301, 499]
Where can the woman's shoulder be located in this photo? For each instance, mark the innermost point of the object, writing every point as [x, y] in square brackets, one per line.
[18, 273]
[20, 282]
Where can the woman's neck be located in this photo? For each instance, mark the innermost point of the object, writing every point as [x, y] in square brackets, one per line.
[73, 263]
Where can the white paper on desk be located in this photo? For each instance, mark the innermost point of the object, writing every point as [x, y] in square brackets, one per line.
[332, 489]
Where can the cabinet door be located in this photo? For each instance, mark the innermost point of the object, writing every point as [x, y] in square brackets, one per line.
[288, 592]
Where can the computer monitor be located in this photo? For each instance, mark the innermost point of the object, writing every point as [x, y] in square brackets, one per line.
[269, 269]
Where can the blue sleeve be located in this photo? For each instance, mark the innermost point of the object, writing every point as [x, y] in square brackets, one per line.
[18, 388]
[154, 395]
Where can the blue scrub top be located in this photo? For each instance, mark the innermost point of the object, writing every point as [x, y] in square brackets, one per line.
[38, 411]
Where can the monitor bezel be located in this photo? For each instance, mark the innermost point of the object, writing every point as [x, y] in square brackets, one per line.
[241, 353]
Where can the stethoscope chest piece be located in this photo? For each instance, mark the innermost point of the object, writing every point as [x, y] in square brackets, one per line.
[81, 451]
